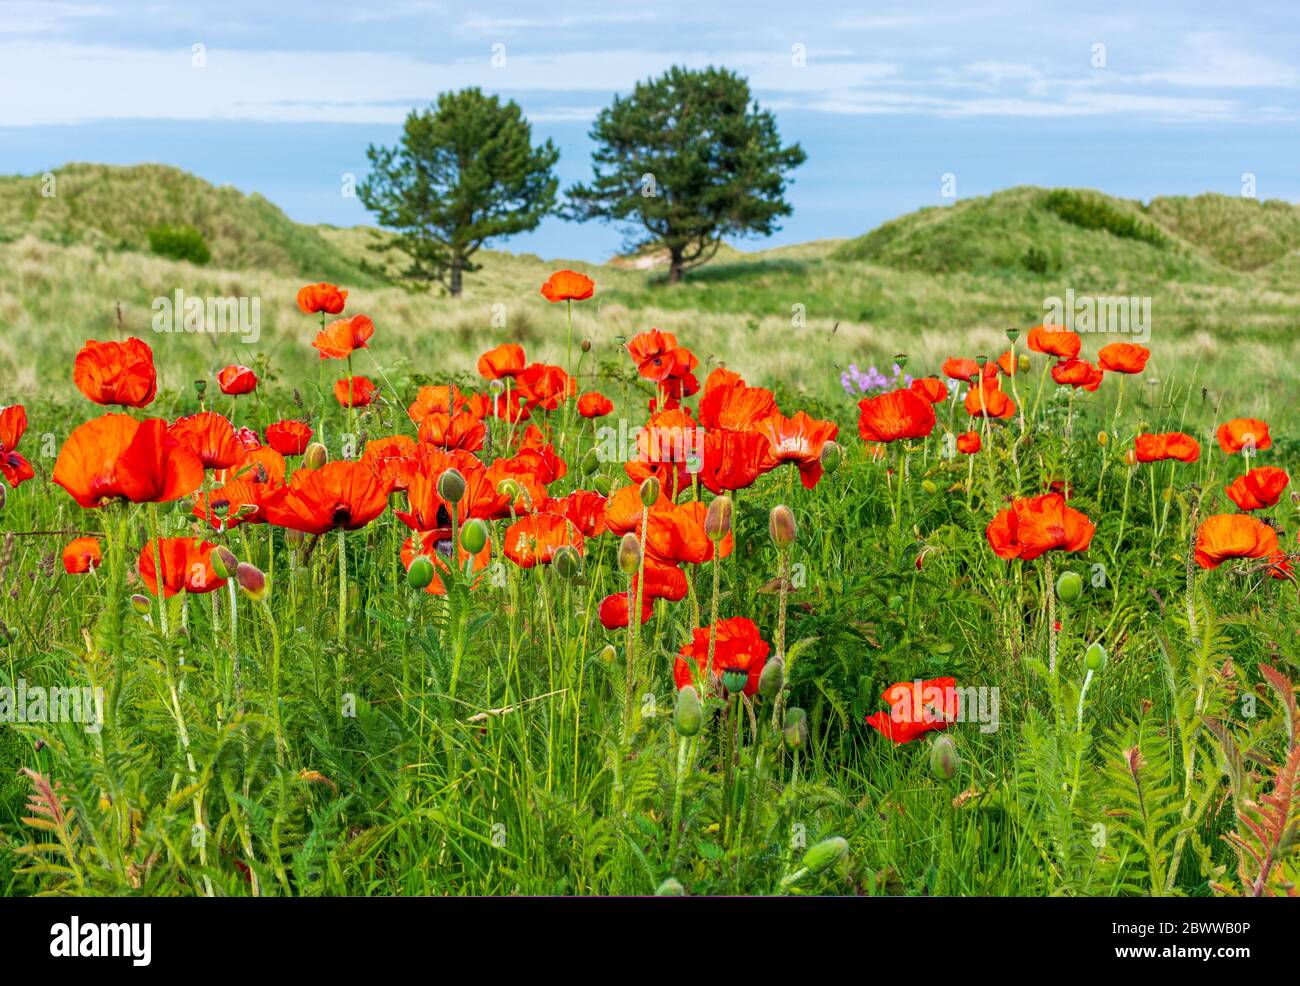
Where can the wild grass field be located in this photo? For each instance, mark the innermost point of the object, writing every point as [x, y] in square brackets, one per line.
[940, 638]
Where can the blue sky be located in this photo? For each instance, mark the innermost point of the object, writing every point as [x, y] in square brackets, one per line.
[1179, 98]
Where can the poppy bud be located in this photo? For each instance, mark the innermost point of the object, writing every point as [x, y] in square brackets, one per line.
[252, 581]
[650, 491]
[496, 387]
[1024, 362]
[831, 457]
[585, 345]
[607, 654]
[140, 604]
[671, 887]
[315, 455]
[567, 562]
[451, 486]
[825, 854]
[2, 497]
[929, 486]
[1094, 658]
[734, 680]
[688, 714]
[590, 462]
[780, 524]
[772, 680]
[629, 554]
[795, 729]
[507, 487]
[1103, 439]
[224, 562]
[473, 536]
[717, 520]
[944, 759]
[1130, 457]
[601, 484]
[1069, 587]
[420, 573]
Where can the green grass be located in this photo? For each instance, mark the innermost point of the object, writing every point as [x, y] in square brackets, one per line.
[526, 780]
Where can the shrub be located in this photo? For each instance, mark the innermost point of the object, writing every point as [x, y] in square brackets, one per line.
[179, 243]
[1091, 212]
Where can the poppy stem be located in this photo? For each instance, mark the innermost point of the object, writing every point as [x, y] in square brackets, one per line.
[682, 744]
[343, 590]
[1051, 613]
[158, 569]
[280, 747]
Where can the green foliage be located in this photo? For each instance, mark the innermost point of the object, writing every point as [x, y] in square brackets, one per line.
[689, 159]
[1095, 212]
[179, 243]
[465, 173]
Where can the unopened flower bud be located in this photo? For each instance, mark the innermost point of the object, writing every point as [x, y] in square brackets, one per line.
[780, 524]
[1069, 587]
[650, 491]
[717, 520]
[688, 714]
[140, 604]
[944, 759]
[252, 581]
[831, 457]
[585, 345]
[795, 729]
[602, 484]
[772, 680]
[629, 554]
[825, 854]
[508, 487]
[224, 562]
[451, 486]
[608, 654]
[929, 486]
[1094, 658]
[590, 462]
[1024, 362]
[567, 562]
[473, 536]
[420, 573]
[315, 455]
[1103, 438]
[671, 887]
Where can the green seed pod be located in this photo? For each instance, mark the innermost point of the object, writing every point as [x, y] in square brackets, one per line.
[795, 729]
[717, 520]
[590, 462]
[1069, 587]
[825, 854]
[1013, 334]
[781, 526]
[929, 486]
[1094, 658]
[772, 680]
[567, 562]
[140, 604]
[650, 491]
[1024, 362]
[252, 580]
[688, 714]
[315, 455]
[473, 536]
[420, 573]
[224, 562]
[671, 888]
[734, 680]
[200, 388]
[944, 759]
[451, 486]
[629, 554]
[831, 457]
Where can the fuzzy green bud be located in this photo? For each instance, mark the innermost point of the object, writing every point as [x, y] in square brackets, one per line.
[1094, 658]
[567, 562]
[1024, 362]
[629, 554]
[717, 519]
[602, 484]
[688, 714]
[780, 524]
[421, 573]
[451, 486]
[795, 730]
[825, 854]
[224, 562]
[772, 680]
[831, 457]
[671, 887]
[1069, 587]
[315, 455]
[590, 462]
[252, 580]
[650, 491]
[944, 759]
[929, 486]
[140, 604]
[608, 654]
[473, 536]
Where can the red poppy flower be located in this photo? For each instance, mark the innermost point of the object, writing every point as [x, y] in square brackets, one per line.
[238, 501]
[698, 510]
[916, 708]
[186, 566]
[81, 555]
[733, 460]
[393, 460]
[1243, 433]
[327, 298]
[898, 414]
[964, 370]
[436, 397]
[798, 440]
[1170, 445]
[1036, 524]
[1054, 341]
[436, 546]
[428, 511]
[1077, 373]
[594, 405]
[568, 285]
[547, 386]
[506, 360]
[115, 455]
[533, 540]
[1225, 536]
[729, 403]
[262, 464]
[458, 431]
[116, 372]
[658, 357]
[1123, 357]
[341, 338]
[235, 380]
[737, 647]
[338, 494]
[932, 389]
[288, 437]
[355, 391]
[585, 509]
[615, 608]
[968, 443]
[1258, 489]
[209, 436]
[13, 422]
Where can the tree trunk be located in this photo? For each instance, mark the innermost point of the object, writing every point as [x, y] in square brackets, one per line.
[455, 285]
[676, 269]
